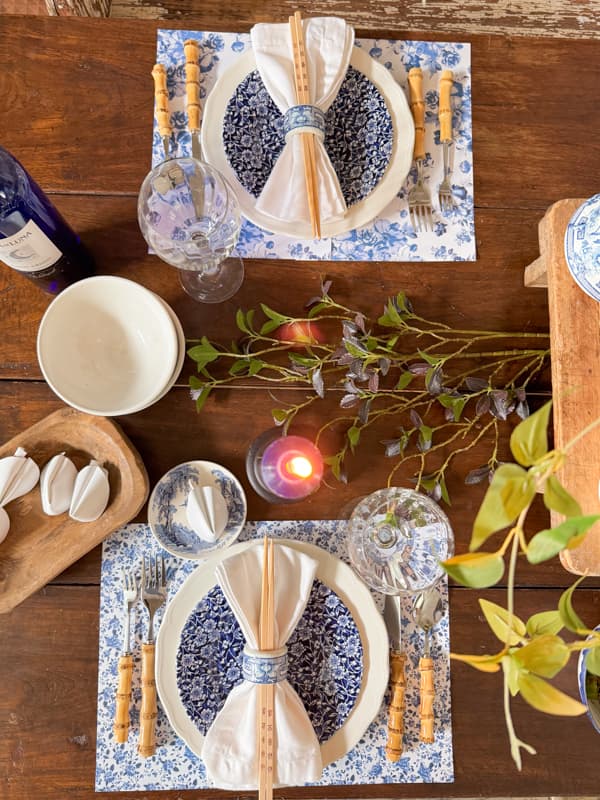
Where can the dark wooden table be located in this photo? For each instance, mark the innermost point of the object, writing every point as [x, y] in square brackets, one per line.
[77, 111]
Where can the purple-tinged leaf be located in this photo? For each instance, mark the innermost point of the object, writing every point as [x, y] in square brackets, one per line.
[449, 414]
[348, 400]
[374, 382]
[522, 409]
[433, 380]
[415, 418]
[521, 394]
[359, 321]
[317, 383]
[477, 475]
[393, 448]
[345, 360]
[350, 330]
[476, 384]
[325, 287]
[350, 387]
[419, 368]
[499, 404]
[312, 302]
[384, 365]
[436, 492]
[483, 405]
[363, 410]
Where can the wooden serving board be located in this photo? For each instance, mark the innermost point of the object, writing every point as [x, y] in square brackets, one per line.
[575, 353]
[39, 547]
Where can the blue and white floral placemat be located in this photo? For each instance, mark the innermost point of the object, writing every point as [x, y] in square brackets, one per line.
[390, 236]
[119, 768]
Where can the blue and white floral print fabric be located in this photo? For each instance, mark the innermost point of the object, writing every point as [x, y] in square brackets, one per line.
[328, 44]
[324, 669]
[231, 744]
[390, 236]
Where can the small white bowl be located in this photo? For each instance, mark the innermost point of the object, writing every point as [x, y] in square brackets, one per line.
[107, 346]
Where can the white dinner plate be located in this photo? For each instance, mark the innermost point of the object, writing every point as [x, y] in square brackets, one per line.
[333, 575]
[360, 212]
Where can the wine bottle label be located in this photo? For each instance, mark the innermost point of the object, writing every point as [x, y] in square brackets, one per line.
[29, 250]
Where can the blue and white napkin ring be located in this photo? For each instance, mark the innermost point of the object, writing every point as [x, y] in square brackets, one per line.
[304, 119]
[265, 666]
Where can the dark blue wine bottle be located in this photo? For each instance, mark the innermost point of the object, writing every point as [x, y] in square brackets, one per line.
[34, 238]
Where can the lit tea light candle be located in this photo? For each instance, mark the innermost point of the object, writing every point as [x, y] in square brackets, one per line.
[284, 468]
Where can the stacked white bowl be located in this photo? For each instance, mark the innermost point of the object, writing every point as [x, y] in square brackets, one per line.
[108, 346]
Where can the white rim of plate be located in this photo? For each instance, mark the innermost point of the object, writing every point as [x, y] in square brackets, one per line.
[575, 261]
[359, 214]
[338, 577]
[180, 355]
[221, 545]
[169, 363]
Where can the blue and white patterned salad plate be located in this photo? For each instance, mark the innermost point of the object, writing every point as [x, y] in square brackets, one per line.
[369, 137]
[167, 514]
[338, 654]
[582, 247]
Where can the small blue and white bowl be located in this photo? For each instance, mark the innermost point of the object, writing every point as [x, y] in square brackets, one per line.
[167, 509]
[582, 246]
[593, 706]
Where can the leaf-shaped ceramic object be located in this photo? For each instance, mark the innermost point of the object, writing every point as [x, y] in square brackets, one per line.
[207, 512]
[90, 494]
[4, 524]
[57, 482]
[18, 475]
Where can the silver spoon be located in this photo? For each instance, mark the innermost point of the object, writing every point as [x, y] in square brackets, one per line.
[427, 611]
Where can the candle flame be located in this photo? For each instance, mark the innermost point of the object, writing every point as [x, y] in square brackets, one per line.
[300, 466]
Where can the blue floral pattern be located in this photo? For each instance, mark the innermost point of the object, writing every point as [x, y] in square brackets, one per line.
[358, 135]
[582, 246]
[390, 236]
[167, 504]
[174, 766]
[325, 660]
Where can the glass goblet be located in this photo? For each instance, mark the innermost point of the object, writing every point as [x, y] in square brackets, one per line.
[396, 540]
[190, 217]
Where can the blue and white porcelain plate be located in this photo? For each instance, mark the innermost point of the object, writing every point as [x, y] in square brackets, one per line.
[324, 654]
[369, 136]
[167, 515]
[582, 246]
[338, 654]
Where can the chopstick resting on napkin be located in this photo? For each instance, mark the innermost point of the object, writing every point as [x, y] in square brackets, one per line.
[328, 44]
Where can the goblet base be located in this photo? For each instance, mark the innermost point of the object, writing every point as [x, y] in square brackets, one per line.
[214, 285]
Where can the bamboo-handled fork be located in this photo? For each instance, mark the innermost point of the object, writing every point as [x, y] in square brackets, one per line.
[153, 590]
[192, 93]
[445, 116]
[125, 667]
[419, 198]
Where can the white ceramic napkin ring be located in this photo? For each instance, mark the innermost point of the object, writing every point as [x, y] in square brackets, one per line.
[304, 119]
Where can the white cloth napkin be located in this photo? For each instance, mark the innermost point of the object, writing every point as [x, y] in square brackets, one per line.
[230, 747]
[328, 43]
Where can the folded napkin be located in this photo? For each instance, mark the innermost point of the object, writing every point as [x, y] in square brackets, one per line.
[230, 750]
[328, 44]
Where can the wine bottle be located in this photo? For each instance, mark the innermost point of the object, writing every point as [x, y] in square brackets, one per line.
[34, 238]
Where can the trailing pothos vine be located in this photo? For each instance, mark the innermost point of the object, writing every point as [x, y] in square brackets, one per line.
[532, 651]
[440, 389]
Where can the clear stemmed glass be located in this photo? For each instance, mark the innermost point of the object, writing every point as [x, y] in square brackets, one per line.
[396, 540]
[190, 217]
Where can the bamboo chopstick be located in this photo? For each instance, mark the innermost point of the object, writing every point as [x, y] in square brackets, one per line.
[266, 637]
[308, 139]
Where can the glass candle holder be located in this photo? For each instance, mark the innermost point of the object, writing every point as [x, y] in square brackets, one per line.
[284, 469]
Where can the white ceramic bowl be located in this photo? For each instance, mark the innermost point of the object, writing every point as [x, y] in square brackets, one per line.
[107, 346]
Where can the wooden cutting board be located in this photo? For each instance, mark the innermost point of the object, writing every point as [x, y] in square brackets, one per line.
[38, 547]
[575, 353]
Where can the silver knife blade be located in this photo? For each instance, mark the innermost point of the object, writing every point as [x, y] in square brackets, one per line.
[392, 615]
[196, 147]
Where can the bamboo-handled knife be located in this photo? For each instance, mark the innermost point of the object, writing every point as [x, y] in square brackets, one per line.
[392, 614]
[192, 93]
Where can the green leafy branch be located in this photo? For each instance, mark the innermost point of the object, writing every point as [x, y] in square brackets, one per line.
[440, 389]
[532, 651]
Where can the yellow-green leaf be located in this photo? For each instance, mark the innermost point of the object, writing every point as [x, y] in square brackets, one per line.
[529, 440]
[511, 490]
[544, 697]
[556, 498]
[549, 542]
[512, 670]
[567, 613]
[476, 570]
[544, 622]
[482, 663]
[592, 661]
[545, 655]
[498, 620]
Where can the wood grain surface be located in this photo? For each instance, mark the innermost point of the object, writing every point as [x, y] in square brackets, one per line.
[77, 111]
